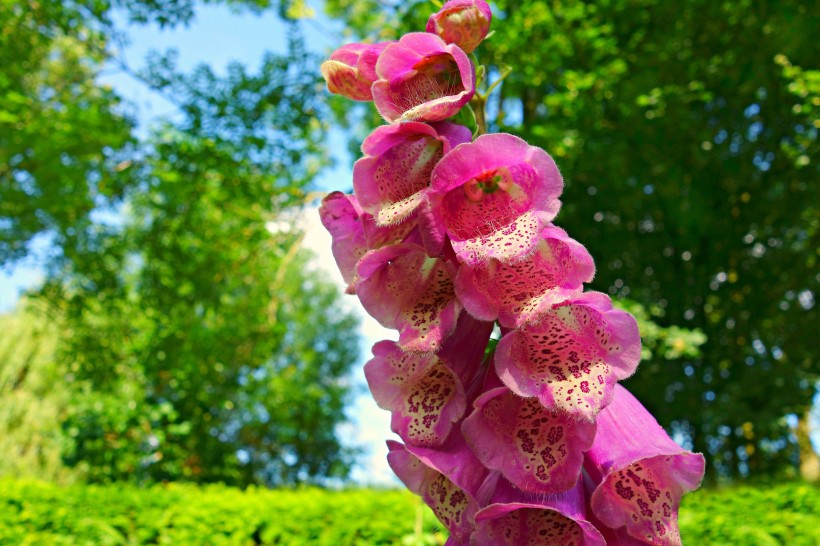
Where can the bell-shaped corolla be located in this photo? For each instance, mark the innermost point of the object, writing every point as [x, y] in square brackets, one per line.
[538, 450]
[516, 518]
[351, 70]
[421, 78]
[462, 22]
[354, 232]
[492, 197]
[573, 356]
[640, 472]
[447, 479]
[404, 288]
[424, 396]
[519, 292]
[424, 392]
[393, 177]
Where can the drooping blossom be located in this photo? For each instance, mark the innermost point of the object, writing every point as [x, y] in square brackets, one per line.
[462, 22]
[492, 198]
[640, 472]
[393, 177]
[516, 518]
[572, 358]
[404, 288]
[538, 450]
[446, 478]
[354, 233]
[421, 78]
[351, 70]
[425, 393]
[520, 292]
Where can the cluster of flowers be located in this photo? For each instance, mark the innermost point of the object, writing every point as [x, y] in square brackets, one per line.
[533, 442]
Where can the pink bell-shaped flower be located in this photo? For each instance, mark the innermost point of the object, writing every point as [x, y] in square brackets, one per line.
[573, 356]
[538, 450]
[447, 479]
[351, 70]
[640, 472]
[354, 232]
[492, 198]
[462, 22]
[404, 288]
[393, 177]
[421, 78]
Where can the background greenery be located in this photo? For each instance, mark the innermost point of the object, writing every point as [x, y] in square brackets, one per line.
[37, 513]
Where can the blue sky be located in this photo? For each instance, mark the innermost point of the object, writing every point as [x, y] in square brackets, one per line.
[218, 36]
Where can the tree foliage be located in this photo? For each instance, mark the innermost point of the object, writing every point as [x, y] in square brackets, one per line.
[687, 135]
[195, 340]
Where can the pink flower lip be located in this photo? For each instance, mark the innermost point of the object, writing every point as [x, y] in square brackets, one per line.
[421, 78]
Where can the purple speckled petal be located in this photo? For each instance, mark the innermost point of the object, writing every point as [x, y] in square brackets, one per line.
[516, 518]
[421, 78]
[640, 471]
[538, 450]
[424, 396]
[518, 293]
[492, 198]
[403, 288]
[341, 216]
[573, 357]
[393, 177]
[462, 22]
[447, 479]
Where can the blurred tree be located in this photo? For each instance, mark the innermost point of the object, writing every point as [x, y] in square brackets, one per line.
[687, 134]
[194, 338]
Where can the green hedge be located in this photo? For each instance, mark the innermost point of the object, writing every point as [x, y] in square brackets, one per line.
[33, 513]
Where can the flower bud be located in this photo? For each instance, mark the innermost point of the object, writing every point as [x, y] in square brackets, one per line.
[462, 22]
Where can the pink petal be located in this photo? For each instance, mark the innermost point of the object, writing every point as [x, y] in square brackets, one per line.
[393, 177]
[572, 358]
[462, 22]
[341, 216]
[447, 479]
[421, 78]
[520, 292]
[492, 198]
[641, 472]
[424, 396]
[515, 518]
[403, 288]
[538, 450]
[463, 351]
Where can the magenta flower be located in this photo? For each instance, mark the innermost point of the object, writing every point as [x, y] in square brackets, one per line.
[520, 292]
[354, 233]
[404, 288]
[351, 70]
[538, 450]
[393, 177]
[424, 392]
[424, 396]
[573, 356]
[640, 471]
[492, 198]
[462, 22]
[447, 479]
[421, 78]
[515, 518]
